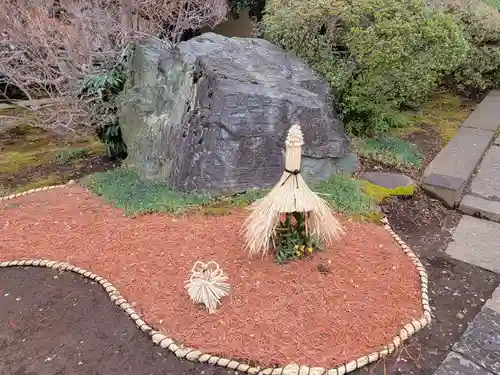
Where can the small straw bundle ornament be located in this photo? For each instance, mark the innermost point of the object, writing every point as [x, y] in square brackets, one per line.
[207, 285]
[291, 194]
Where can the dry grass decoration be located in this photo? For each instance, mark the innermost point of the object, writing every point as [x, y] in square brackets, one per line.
[207, 285]
[305, 212]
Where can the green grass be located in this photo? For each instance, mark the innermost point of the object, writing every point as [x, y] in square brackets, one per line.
[346, 195]
[66, 155]
[123, 188]
[389, 150]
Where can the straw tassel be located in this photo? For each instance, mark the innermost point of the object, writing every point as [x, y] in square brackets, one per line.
[290, 194]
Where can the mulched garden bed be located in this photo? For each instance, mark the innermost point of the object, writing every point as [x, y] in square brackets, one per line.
[274, 315]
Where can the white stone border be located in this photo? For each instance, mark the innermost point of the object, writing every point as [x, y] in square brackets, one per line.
[195, 355]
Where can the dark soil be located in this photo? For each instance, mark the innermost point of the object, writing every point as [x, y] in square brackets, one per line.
[54, 323]
[58, 173]
[429, 141]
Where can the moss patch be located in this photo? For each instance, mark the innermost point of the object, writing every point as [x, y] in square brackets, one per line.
[24, 146]
[379, 193]
[13, 161]
[445, 111]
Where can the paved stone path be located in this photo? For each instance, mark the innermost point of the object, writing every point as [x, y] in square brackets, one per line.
[466, 175]
[478, 351]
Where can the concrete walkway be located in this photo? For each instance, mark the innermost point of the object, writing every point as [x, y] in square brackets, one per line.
[466, 175]
[478, 351]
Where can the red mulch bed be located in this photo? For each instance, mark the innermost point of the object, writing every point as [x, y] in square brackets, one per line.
[275, 314]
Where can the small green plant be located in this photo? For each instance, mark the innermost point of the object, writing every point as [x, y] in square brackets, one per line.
[292, 241]
[66, 155]
[391, 151]
[102, 90]
[346, 195]
[255, 7]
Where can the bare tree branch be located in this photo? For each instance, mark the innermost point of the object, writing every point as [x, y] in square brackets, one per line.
[48, 46]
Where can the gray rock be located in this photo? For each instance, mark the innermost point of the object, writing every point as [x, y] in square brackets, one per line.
[481, 341]
[486, 183]
[473, 206]
[213, 115]
[314, 169]
[455, 364]
[448, 174]
[476, 241]
[387, 179]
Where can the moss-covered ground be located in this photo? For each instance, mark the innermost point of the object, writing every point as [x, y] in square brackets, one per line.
[32, 157]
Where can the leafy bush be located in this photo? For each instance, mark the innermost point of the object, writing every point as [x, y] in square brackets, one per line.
[378, 55]
[255, 7]
[100, 91]
[480, 71]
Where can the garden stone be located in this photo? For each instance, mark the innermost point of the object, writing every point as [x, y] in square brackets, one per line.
[387, 180]
[213, 115]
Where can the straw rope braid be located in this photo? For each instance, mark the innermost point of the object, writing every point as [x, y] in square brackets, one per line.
[195, 355]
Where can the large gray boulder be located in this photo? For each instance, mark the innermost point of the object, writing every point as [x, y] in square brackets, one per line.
[213, 115]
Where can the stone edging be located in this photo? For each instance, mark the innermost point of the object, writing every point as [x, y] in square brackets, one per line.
[195, 355]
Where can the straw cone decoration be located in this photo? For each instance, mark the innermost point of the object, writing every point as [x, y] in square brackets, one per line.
[291, 194]
[207, 285]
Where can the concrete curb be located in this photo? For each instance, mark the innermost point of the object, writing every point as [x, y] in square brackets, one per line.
[451, 170]
[194, 355]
